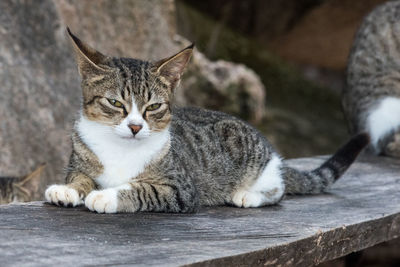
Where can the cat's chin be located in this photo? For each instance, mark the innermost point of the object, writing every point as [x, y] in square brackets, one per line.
[131, 139]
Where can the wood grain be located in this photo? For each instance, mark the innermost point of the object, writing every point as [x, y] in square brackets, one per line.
[360, 210]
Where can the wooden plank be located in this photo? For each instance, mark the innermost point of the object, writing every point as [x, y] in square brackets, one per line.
[361, 210]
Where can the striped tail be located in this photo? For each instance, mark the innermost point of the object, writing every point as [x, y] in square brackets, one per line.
[316, 181]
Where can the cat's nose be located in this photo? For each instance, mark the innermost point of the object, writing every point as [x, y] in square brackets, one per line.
[135, 128]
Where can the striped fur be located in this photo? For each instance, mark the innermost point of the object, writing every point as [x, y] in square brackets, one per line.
[189, 157]
[371, 98]
[316, 181]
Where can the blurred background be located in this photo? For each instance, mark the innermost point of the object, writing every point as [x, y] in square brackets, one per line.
[299, 50]
[278, 64]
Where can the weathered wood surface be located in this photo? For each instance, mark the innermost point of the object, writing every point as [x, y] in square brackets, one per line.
[360, 210]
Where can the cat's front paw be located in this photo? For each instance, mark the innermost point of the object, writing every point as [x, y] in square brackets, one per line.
[102, 201]
[62, 195]
[392, 149]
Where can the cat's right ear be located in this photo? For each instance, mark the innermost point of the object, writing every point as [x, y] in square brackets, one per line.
[30, 183]
[88, 59]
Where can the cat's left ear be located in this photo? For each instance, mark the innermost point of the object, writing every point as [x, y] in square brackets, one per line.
[171, 68]
[31, 182]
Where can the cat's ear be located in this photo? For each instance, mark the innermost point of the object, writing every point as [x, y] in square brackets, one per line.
[31, 182]
[171, 68]
[88, 59]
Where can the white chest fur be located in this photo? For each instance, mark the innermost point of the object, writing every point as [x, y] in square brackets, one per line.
[122, 159]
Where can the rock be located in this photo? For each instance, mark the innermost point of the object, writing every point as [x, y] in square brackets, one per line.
[39, 83]
[138, 29]
[224, 86]
[39, 93]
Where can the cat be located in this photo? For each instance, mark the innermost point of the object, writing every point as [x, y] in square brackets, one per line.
[133, 151]
[371, 98]
[20, 189]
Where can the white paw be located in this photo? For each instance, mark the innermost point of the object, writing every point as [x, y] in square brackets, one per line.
[103, 201]
[62, 195]
[238, 197]
[268, 189]
[248, 199]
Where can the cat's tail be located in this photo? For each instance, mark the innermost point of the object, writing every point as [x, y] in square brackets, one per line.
[316, 181]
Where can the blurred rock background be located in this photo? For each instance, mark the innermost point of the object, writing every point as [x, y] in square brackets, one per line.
[278, 64]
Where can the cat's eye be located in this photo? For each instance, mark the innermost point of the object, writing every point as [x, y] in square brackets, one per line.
[153, 107]
[116, 103]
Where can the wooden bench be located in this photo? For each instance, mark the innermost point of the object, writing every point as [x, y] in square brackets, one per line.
[360, 210]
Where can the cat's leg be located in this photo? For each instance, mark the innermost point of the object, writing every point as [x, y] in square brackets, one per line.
[71, 194]
[381, 123]
[142, 196]
[267, 189]
[392, 148]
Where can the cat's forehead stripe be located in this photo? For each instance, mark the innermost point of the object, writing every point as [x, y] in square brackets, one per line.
[137, 80]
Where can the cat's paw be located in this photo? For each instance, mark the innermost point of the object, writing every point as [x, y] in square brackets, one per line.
[392, 149]
[62, 195]
[103, 201]
[248, 199]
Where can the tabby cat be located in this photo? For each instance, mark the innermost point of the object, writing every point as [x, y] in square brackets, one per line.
[371, 99]
[20, 189]
[133, 151]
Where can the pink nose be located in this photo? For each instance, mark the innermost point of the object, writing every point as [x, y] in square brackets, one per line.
[135, 128]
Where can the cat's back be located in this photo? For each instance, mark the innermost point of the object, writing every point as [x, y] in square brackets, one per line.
[197, 127]
[373, 70]
[376, 46]
[210, 122]
[371, 98]
[215, 135]
[198, 117]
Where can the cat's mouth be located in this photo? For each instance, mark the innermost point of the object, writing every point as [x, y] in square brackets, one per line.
[132, 138]
[129, 137]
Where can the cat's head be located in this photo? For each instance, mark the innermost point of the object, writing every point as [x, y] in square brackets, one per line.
[132, 97]
[20, 189]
